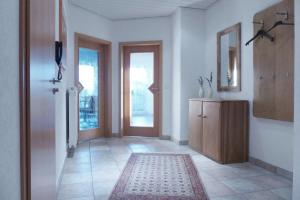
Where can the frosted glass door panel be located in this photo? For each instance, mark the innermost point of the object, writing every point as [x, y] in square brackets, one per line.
[89, 96]
[141, 98]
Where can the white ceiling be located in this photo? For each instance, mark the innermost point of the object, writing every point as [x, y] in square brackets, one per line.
[128, 9]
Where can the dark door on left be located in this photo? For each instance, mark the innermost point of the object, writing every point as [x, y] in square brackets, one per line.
[41, 66]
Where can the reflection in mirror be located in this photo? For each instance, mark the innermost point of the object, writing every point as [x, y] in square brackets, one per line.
[229, 59]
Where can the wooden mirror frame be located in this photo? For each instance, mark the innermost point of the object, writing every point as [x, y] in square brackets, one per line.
[235, 28]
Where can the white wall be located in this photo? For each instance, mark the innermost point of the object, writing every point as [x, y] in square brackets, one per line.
[296, 184]
[270, 141]
[9, 101]
[82, 21]
[176, 74]
[188, 63]
[147, 29]
[192, 60]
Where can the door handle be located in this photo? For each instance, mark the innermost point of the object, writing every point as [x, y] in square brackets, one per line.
[53, 81]
[55, 90]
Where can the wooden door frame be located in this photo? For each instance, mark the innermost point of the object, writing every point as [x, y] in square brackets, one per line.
[108, 81]
[122, 45]
[24, 100]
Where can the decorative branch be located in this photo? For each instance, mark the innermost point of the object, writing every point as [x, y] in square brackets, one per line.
[200, 81]
[210, 80]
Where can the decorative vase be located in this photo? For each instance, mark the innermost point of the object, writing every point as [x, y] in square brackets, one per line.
[201, 92]
[210, 93]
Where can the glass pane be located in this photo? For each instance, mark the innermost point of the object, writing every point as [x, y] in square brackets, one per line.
[88, 97]
[141, 99]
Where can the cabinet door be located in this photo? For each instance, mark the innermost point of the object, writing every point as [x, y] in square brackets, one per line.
[195, 125]
[211, 130]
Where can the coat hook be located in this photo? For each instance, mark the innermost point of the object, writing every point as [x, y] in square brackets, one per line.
[261, 22]
[284, 14]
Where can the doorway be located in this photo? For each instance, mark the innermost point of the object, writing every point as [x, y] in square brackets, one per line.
[141, 63]
[92, 61]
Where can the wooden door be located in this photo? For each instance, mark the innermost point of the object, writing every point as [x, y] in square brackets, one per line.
[91, 77]
[195, 125]
[211, 130]
[141, 90]
[41, 52]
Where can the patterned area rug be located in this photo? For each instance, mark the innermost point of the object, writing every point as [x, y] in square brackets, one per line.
[159, 177]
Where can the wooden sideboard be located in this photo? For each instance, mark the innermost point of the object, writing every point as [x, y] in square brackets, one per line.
[218, 129]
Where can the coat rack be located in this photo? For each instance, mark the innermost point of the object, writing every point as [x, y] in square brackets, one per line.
[265, 33]
[273, 62]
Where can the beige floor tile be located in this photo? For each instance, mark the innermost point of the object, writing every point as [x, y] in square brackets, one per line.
[106, 176]
[72, 178]
[234, 197]
[262, 195]
[79, 198]
[77, 168]
[271, 181]
[217, 189]
[79, 159]
[247, 170]
[285, 193]
[77, 190]
[243, 185]
[98, 164]
[103, 188]
[222, 173]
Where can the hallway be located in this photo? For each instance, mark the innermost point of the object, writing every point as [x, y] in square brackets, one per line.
[97, 165]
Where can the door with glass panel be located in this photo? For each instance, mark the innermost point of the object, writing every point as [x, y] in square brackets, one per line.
[141, 90]
[91, 95]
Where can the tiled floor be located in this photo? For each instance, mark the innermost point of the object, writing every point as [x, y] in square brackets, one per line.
[96, 166]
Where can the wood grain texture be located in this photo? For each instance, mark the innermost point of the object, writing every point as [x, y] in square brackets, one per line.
[274, 66]
[63, 33]
[122, 46]
[129, 130]
[24, 101]
[94, 133]
[222, 131]
[212, 130]
[195, 125]
[104, 48]
[234, 128]
[41, 66]
[237, 29]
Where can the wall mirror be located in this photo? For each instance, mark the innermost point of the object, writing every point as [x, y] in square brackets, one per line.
[229, 58]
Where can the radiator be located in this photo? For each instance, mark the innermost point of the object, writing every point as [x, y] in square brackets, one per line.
[72, 118]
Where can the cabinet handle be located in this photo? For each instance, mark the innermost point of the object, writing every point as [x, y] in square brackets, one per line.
[199, 115]
[204, 117]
